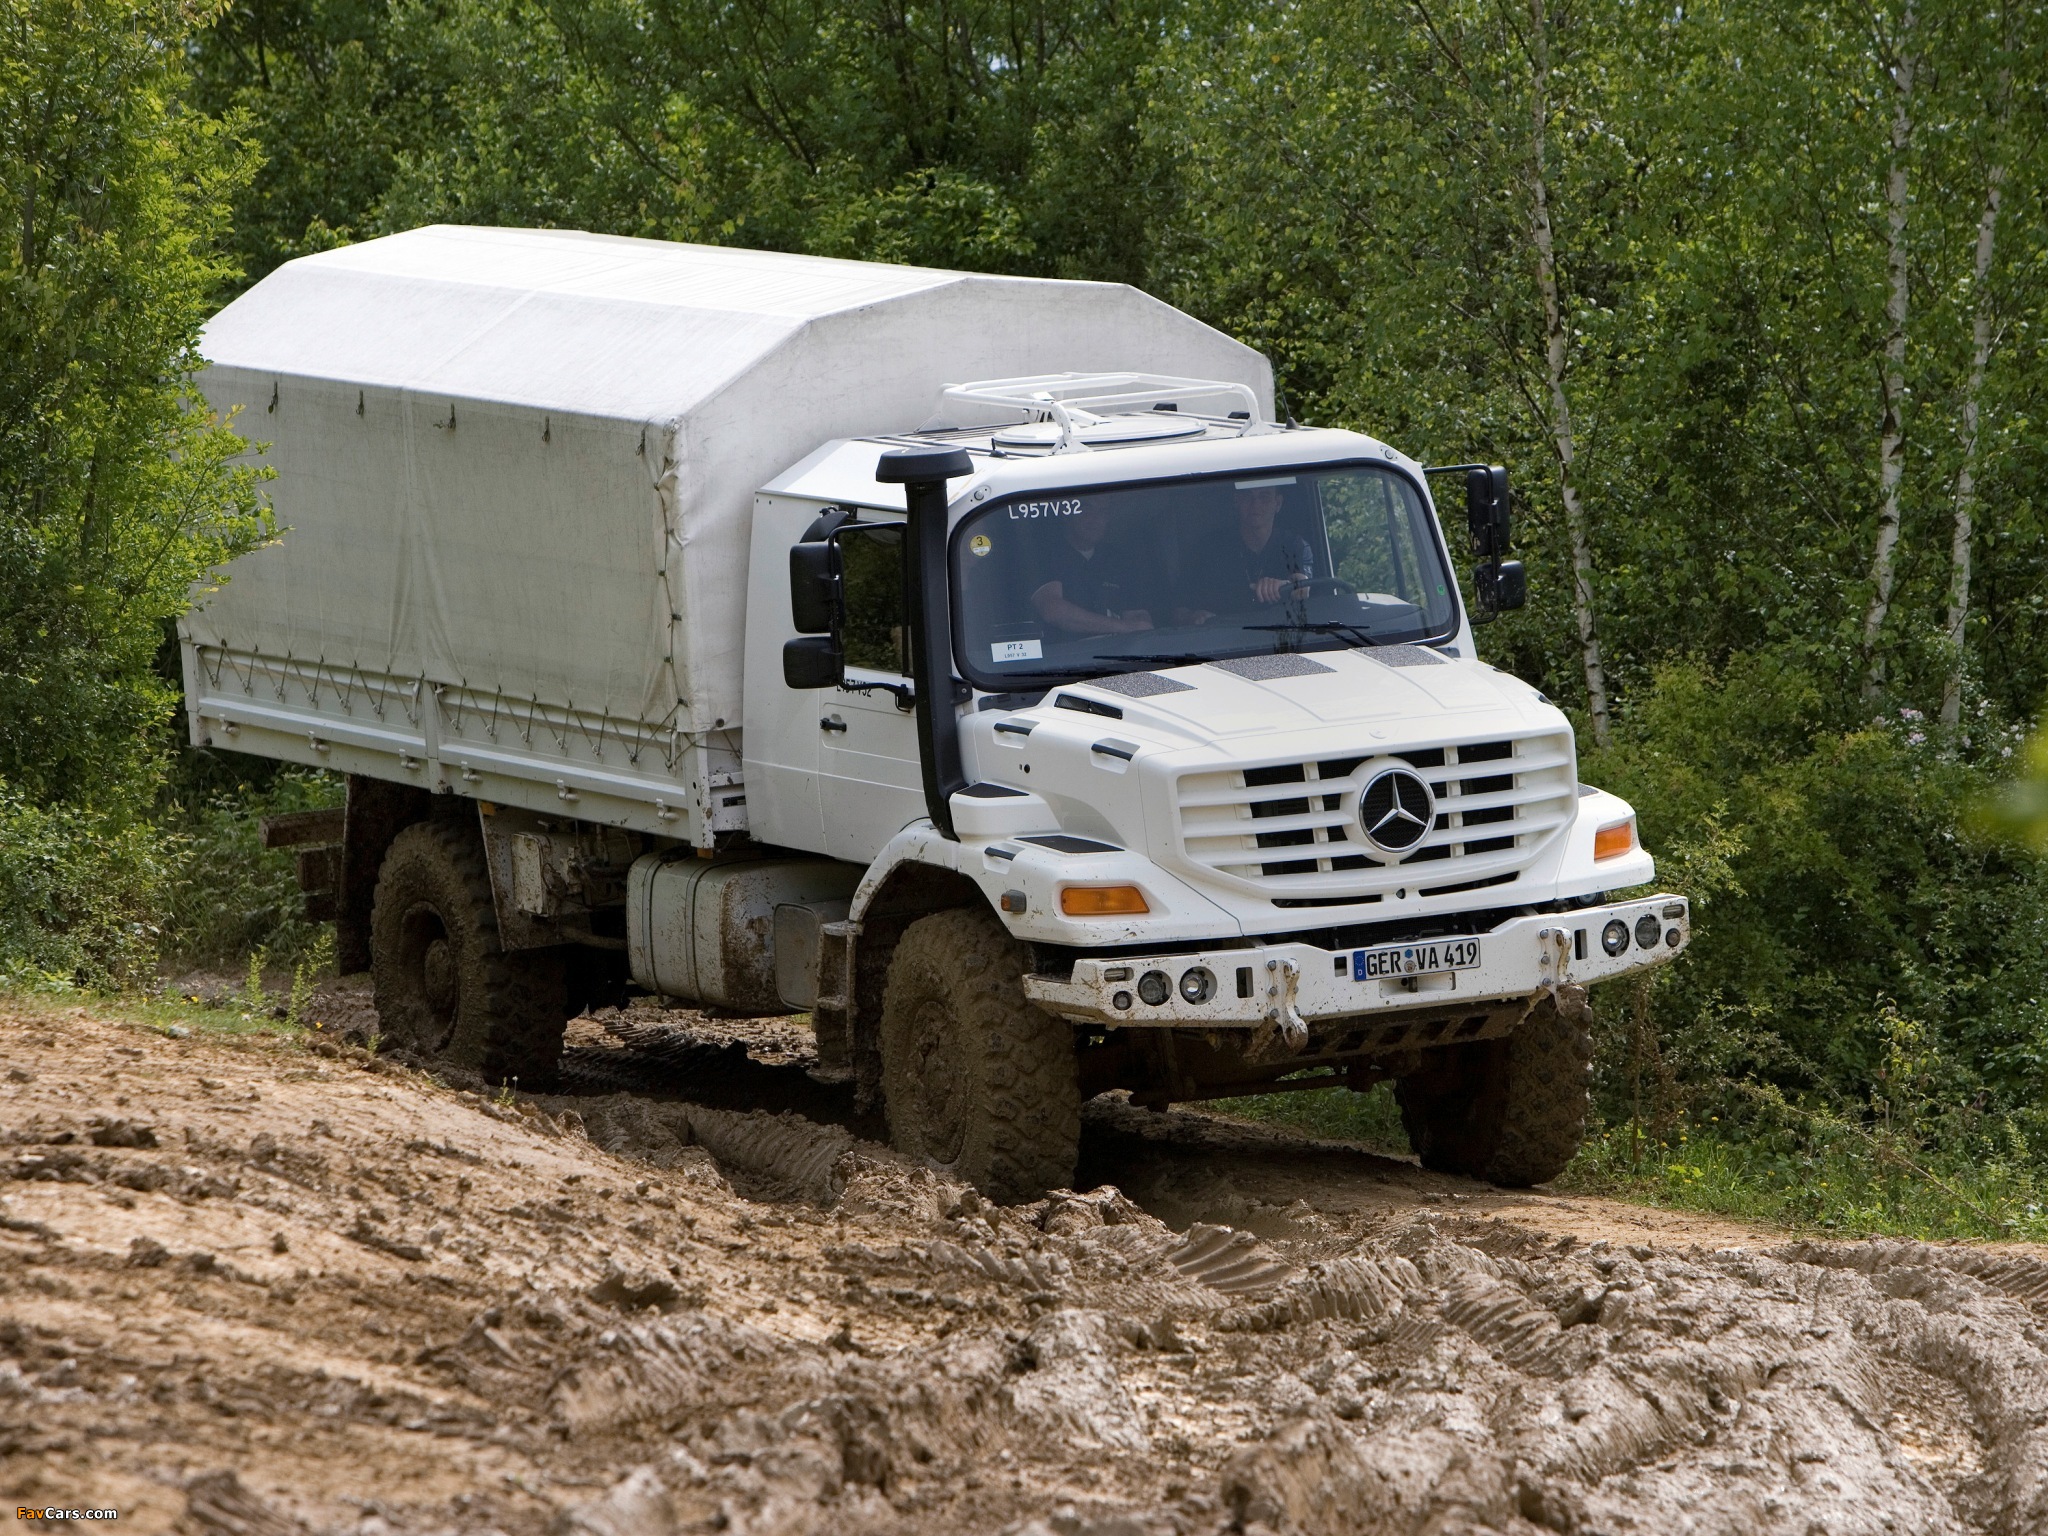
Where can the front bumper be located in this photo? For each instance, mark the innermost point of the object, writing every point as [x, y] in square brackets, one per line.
[1294, 985]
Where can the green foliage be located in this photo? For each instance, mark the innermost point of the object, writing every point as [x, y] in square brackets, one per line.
[117, 489]
[2019, 811]
[79, 895]
[1371, 1119]
[228, 896]
[1849, 893]
[974, 137]
[1826, 1173]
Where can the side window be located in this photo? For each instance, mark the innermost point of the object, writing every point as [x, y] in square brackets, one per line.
[877, 633]
[1372, 530]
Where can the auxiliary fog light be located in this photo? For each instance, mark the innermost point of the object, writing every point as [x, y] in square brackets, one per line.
[1155, 987]
[1614, 937]
[1121, 1002]
[1198, 985]
[1648, 930]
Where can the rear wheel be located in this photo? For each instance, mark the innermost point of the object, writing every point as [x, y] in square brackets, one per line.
[1510, 1111]
[976, 1078]
[444, 989]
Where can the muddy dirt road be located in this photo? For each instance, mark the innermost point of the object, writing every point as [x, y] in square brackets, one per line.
[250, 1290]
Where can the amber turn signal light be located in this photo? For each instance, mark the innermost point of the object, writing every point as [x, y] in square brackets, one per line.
[1102, 901]
[1612, 842]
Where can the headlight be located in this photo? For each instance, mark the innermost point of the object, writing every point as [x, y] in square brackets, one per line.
[1155, 987]
[1648, 930]
[1198, 985]
[1614, 937]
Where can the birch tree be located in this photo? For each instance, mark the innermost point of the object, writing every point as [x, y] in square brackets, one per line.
[1901, 63]
[1417, 205]
[1556, 353]
[1982, 319]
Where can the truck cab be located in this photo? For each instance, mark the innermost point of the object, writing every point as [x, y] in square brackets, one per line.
[1228, 787]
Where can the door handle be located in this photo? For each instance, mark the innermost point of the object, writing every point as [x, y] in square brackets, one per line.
[831, 723]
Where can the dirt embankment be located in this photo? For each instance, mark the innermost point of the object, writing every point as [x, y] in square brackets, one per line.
[250, 1291]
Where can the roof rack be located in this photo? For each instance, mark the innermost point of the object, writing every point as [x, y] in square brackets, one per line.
[1073, 402]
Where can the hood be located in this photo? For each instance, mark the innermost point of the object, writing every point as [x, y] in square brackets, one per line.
[1398, 695]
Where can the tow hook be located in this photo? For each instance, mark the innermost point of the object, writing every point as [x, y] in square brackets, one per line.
[1284, 1026]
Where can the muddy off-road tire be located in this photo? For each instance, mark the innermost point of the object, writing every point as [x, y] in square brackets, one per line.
[444, 989]
[1510, 1111]
[976, 1079]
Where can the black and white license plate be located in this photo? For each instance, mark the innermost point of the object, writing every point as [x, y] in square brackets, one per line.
[1415, 959]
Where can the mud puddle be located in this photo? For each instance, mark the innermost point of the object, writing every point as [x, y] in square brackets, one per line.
[249, 1289]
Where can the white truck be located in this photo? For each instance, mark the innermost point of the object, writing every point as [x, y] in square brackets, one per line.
[970, 662]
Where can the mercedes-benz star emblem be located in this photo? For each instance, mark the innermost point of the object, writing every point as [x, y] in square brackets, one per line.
[1397, 810]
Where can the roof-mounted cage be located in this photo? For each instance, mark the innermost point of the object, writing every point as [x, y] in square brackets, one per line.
[1068, 412]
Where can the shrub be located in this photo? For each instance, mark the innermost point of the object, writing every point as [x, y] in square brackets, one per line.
[1858, 955]
[228, 895]
[79, 895]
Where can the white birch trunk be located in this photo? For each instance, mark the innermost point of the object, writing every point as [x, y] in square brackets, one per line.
[1554, 356]
[1891, 453]
[1980, 358]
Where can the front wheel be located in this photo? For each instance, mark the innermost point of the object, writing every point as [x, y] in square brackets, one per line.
[976, 1078]
[1511, 1111]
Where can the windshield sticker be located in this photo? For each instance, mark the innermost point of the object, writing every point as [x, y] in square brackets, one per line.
[980, 544]
[1066, 506]
[1016, 650]
[1274, 483]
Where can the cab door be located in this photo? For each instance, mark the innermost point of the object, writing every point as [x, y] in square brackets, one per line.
[872, 782]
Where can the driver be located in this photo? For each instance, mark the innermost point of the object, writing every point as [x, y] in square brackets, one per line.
[1258, 564]
[1081, 592]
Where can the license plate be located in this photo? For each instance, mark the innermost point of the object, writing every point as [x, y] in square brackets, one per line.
[1415, 959]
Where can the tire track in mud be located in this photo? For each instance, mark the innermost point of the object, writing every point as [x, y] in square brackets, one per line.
[1417, 1368]
[266, 1292]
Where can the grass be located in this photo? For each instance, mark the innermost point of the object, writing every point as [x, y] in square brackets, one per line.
[237, 1016]
[1371, 1119]
[1835, 1179]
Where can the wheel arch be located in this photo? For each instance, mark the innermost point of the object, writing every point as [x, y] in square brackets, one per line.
[377, 811]
[915, 876]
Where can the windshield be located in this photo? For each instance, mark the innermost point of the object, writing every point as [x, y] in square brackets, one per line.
[1054, 586]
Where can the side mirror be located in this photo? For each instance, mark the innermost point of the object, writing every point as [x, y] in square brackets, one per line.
[1486, 511]
[813, 587]
[813, 661]
[1499, 585]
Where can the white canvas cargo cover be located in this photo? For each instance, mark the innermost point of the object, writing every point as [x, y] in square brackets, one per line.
[518, 465]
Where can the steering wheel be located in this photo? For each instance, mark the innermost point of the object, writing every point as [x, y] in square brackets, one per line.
[1325, 586]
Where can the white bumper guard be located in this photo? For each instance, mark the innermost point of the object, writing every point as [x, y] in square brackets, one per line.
[1290, 986]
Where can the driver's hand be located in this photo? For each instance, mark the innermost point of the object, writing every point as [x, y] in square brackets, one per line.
[1270, 589]
[1134, 620]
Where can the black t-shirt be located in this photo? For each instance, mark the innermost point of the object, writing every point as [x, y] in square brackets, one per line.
[1091, 581]
[1232, 572]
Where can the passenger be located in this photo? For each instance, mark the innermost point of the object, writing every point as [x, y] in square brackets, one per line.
[1081, 593]
[1259, 564]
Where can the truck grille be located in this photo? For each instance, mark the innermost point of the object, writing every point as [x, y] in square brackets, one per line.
[1291, 830]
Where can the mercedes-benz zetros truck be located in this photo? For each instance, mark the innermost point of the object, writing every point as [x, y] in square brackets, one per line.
[972, 663]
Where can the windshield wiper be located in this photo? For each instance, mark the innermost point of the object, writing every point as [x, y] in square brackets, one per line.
[1352, 632]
